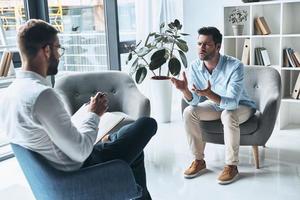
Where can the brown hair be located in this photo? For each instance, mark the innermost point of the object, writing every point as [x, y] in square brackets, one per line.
[33, 35]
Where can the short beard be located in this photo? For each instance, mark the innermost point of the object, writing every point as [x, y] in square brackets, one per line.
[53, 65]
[208, 57]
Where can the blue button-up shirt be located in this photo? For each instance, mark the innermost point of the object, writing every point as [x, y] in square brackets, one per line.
[227, 80]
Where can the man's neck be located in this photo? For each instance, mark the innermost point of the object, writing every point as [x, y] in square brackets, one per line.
[212, 63]
[32, 66]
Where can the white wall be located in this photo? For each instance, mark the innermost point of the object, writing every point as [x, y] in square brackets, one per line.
[198, 13]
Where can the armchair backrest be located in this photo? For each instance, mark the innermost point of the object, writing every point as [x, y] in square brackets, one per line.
[262, 85]
[77, 88]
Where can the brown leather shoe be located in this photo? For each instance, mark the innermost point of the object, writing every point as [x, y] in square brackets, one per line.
[229, 174]
[196, 168]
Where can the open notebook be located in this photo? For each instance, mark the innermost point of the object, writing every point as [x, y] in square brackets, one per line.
[107, 121]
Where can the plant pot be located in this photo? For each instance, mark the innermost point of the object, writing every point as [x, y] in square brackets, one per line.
[161, 98]
[238, 29]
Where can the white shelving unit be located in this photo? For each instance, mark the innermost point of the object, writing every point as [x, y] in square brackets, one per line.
[283, 19]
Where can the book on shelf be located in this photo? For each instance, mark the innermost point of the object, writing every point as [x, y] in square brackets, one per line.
[108, 121]
[262, 56]
[292, 60]
[297, 57]
[246, 52]
[257, 28]
[285, 59]
[296, 90]
[263, 26]
[265, 57]
[297, 64]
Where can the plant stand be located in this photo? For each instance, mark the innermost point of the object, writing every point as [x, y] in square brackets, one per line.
[161, 100]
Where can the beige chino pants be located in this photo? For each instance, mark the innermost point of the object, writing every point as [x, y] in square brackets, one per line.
[230, 120]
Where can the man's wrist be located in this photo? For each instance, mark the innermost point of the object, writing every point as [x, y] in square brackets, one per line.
[187, 95]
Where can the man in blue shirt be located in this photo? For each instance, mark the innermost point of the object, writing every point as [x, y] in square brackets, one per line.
[214, 90]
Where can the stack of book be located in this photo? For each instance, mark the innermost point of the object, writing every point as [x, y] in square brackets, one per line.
[262, 56]
[5, 63]
[291, 58]
[261, 26]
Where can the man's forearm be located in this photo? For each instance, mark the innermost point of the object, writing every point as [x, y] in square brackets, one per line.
[188, 95]
[214, 97]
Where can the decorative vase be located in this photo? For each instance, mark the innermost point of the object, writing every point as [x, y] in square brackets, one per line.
[238, 29]
[161, 99]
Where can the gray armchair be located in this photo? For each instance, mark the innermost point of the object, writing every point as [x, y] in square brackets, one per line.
[124, 97]
[263, 85]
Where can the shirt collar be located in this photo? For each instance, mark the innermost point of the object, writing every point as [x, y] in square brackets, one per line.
[217, 68]
[32, 75]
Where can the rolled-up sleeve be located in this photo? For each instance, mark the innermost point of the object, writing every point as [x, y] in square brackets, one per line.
[230, 101]
[192, 79]
[77, 143]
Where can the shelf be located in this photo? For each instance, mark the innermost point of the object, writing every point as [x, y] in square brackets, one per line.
[290, 100]
[266, 36]
[282, 18]
[291, 68]
[291, 35]
[236, 36]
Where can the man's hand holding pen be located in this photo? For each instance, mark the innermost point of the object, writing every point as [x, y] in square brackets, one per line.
[99, 103]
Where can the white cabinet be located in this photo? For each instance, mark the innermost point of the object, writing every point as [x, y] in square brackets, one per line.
[283, 19]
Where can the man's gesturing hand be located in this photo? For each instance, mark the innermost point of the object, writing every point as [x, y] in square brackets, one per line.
[99, 104]
[182, 85]
[205, 92]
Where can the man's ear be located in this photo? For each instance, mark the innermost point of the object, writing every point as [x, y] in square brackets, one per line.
[47, 51]
[218, 46]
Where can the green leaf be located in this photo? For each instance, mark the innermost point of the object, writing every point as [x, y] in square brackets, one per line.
[129, 56]
[162, 25]
[184, 34]
[176, 23]
[182, 46]
[171, 26]
[169, 31]
[158, 55]
[143, 51]
[135, 63]
[140, 75]
[174, 66]
[181, 41]
[155, 64]
[183, 58]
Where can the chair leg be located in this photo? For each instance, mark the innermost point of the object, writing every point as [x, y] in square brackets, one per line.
[255, 155]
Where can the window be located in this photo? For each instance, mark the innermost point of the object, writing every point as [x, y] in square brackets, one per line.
[127, 27]
[82, 33]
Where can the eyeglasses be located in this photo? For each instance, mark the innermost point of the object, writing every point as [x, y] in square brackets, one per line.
[61, 50]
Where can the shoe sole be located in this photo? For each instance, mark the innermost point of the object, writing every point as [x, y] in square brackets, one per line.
[195, 175]
[229, 181]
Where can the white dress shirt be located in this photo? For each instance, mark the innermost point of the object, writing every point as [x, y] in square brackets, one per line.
[33, 115]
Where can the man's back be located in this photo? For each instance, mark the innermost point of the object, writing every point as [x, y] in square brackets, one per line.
[20, 123]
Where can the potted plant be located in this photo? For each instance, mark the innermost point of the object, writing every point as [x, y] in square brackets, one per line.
[162, 54]
[237, 18]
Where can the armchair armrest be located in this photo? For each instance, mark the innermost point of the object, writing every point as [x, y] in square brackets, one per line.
[135, 104]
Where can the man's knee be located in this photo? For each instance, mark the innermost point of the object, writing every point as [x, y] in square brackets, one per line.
[229, 117]
[148, 124]
[188, 113]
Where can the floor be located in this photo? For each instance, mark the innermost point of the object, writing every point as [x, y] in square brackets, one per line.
[167, 156]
